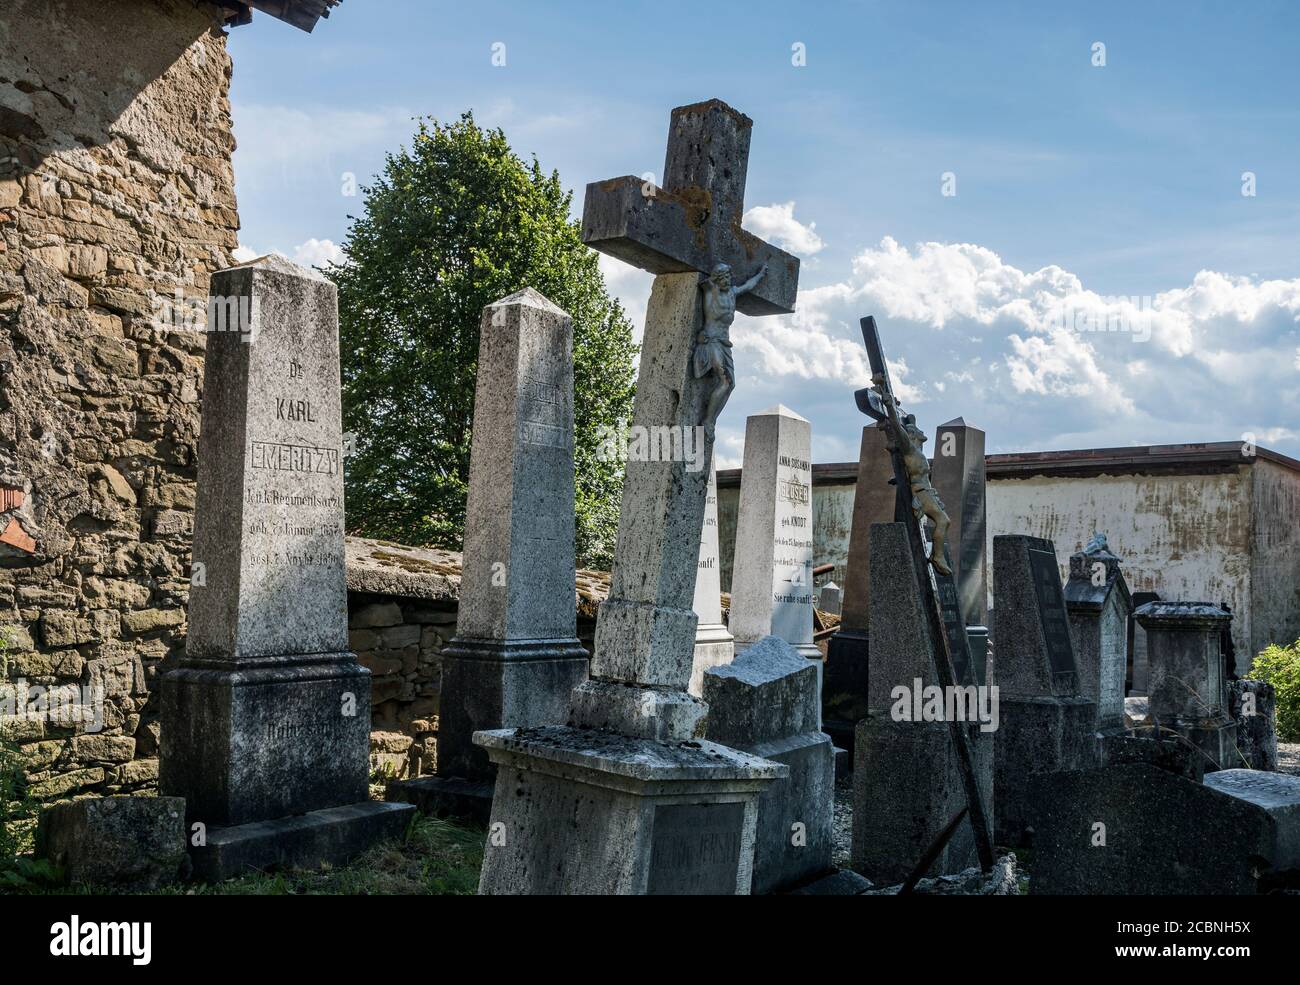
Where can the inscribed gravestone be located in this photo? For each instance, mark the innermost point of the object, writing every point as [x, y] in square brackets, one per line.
[267, 714]
[771, 580]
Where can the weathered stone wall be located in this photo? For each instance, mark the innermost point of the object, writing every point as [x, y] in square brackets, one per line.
[116, 192]
[402, 604]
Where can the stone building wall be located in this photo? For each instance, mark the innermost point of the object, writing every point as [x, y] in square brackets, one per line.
[116, 193]
[402, 604]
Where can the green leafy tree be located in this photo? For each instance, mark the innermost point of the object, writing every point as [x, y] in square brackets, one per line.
[1280, 666]
[451, 225]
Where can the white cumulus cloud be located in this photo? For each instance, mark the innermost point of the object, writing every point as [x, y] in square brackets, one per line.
[317, 253]
[778, 224]
[1038, 358]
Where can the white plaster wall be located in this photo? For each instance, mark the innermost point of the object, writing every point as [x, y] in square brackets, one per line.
[1184, 536]
[1275, 561]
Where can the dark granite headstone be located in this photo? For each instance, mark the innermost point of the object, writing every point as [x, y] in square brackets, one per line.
[1047, 726]
[1051, 611]
[1159, 834]
[958, 476]
[844, 686]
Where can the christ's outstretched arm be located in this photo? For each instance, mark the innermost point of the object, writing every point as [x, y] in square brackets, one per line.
[752, 283]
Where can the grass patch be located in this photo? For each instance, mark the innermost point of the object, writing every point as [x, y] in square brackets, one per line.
[436, 858]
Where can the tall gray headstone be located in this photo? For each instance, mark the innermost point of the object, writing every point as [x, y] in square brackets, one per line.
[771, 576]
[714, 644]
[844, 685]
[516, 656]
[1099, 605]
[628, 798]
[907, 783]
[765, 702]
[267, 713]
[1188, 690]
[1047, 725]
[958, 477]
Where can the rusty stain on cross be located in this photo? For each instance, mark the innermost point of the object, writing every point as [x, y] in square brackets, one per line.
[693, 222]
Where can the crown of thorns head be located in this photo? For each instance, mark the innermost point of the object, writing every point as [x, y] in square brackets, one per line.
[721, 268]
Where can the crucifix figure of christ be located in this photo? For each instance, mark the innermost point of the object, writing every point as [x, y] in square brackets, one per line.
[688, 227]
[906, 438]
[713, 346]
[879, 403]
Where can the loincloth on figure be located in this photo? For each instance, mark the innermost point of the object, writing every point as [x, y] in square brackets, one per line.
[711, 352]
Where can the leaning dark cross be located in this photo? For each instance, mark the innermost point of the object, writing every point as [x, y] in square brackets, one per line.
[878, 402]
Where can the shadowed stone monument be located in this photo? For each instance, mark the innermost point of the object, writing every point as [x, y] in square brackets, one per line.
[1238, 833]
[266, 717]
[714, 644]
[1047, 725]
[1188, 692]
[844, 685]
[771, 574]
[765, 702]
[958, 473]
[907, 783]
[515, 656]
[1099, 605]
[627, 798]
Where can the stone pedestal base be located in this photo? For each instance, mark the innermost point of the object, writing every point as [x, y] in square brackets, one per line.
[265, 739]
[714, 646]
[1037, 735]
[1217, 741]
[307, 841]
[489, 684]
[786, 855]
[580, 811]
[444, 796]
[906, 788]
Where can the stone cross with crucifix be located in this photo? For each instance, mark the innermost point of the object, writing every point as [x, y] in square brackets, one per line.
[626, 797]
[645, 632]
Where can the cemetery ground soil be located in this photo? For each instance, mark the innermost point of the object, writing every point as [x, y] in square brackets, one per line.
[436, 858]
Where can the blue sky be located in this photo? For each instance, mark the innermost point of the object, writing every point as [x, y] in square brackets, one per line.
[1086, 197]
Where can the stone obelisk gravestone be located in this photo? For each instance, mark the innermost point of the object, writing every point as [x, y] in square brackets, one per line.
[771, 574]
[844, 685]
[714, 644]
[267, 714]
[1047, 725]
[515, 656]
[1188, 690]
[907, 783]
[626, 798]
[1099, 605]
[958, 473]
